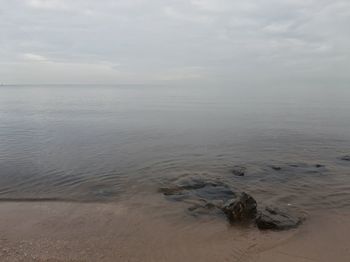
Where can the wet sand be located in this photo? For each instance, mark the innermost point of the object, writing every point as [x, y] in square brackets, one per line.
[57, 231]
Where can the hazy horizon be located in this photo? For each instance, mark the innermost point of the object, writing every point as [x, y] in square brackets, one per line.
[203, 42]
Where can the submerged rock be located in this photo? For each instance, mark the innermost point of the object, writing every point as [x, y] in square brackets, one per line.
[193, 188]
[243, 208]
[239, 170]
[276, 168]
[345, 158]
[208, 208]
[296, 170]
[206, 196]
[169, 191]
[275, 219]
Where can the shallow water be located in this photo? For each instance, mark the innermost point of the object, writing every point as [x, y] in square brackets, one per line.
[107, 143]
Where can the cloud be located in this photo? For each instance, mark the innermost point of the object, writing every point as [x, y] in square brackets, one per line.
[165, 40]
[182, 16]
[224, 5]
[278, 28]
[33, 57]
[47, 4]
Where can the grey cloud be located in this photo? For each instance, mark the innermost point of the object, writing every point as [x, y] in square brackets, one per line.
[153, 40]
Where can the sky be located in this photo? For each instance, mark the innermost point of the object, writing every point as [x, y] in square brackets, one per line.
[174, 41]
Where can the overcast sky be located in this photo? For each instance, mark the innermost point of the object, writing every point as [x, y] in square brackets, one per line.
[172, 41]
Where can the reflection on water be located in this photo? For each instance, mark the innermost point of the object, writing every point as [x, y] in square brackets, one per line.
[98, 143]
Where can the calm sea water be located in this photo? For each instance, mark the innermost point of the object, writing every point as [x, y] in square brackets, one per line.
[86, 143]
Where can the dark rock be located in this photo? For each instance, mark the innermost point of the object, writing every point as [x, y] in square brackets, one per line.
[277, 168]
[345, 158]
[292, 171]
[295, 165]
[243, 208]
[239, 170]
[275, 219]
[169, 191]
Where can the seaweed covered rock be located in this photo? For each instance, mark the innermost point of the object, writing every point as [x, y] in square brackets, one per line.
[243, 208]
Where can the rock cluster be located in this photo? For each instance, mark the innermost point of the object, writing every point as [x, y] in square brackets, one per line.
[210, 196]
[244, 209]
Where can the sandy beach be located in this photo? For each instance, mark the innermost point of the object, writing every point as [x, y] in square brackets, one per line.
[57, 232]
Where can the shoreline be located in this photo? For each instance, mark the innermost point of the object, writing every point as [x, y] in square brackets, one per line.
[122, 231]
